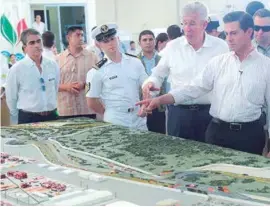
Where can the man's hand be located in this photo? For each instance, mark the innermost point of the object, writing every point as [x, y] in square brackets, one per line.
[73, 87]
[147, 88]
[80, 85]
[147, 106]
[141, 112]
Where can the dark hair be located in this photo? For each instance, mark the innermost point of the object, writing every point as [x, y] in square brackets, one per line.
[48, 39]
[254, 6]
[245, 20]
[26, 33]
[12, 55]
[262, 13]
[73, 29]
[174, 31]
[146, 32]
[131, 42]
[162, 37]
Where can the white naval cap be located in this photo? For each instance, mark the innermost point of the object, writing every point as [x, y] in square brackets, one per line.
[213, 18]
[213, 22]
[104, 31]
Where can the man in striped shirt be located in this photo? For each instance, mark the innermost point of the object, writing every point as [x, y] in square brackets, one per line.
[74, 64]
[240, 83]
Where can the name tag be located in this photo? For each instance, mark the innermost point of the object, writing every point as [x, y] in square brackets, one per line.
[113, 77]
[51, 79]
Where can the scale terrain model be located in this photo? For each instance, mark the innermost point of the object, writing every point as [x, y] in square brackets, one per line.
[120, 164]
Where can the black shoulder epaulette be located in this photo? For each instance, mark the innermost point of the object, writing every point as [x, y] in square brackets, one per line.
[101, 63]
[131, 55]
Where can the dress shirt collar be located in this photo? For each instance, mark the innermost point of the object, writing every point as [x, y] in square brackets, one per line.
[109, 61]
[253, 54]
[207, 41]
[32, 63]
[154, 56]
[82, 52]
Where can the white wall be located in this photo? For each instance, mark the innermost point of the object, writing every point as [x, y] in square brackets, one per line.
[132, 16]
[16, 9]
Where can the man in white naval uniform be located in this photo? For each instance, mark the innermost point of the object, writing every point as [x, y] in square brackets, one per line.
[113, 87]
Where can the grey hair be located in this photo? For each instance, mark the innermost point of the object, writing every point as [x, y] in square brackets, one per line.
[26, 33]
[196, 7]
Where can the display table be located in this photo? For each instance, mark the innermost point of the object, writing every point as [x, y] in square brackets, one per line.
[141, 167]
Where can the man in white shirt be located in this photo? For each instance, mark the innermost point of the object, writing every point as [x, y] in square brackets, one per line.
[48, 45]
[39, 25]
[113, 86]
[32, 83]
[240, 83]
[182, 60]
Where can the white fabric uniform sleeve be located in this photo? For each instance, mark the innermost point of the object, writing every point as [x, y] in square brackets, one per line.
[94, 84]
[12, 90]
[201, 85]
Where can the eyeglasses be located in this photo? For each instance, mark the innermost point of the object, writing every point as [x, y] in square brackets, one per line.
[263, 28]
[43, 87]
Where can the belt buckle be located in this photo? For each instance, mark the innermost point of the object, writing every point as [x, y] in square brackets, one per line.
[194, 107]
[130, 110]
[235, 126]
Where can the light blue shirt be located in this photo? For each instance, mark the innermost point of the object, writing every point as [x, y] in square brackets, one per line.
[149, 63]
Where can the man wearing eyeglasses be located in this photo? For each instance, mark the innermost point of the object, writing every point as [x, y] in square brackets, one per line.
[240, 83]
[262, 43]
[262, 31]
[113, 86]
[182, 60]
[32, 84]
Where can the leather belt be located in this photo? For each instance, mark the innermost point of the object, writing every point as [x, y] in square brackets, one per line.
[123, 109]
[235, 126]
[43, 113]
[195, 107]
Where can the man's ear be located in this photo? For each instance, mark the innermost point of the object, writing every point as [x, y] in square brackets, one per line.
[250, 32]
[67, 37]
[205, 23]
[97, 44]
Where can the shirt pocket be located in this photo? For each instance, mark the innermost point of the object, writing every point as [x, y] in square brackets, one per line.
[114, 81]
[50, 82]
